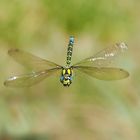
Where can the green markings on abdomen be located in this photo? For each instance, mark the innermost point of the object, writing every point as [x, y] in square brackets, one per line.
[70, 50]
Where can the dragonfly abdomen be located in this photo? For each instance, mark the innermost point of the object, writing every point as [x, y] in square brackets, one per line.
[70, 50]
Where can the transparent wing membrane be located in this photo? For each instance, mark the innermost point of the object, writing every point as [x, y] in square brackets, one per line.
[27, 80]
[104, 73]
[31, 61]
[96, 66]
[104, 57]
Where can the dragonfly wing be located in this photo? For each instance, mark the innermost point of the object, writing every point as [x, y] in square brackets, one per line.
[104, 73]
[104, 57]
[27, 80]
[31, 61]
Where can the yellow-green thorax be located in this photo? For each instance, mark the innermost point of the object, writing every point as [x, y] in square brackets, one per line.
[66, 76]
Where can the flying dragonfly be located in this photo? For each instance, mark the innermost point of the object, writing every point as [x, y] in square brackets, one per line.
[96, 66]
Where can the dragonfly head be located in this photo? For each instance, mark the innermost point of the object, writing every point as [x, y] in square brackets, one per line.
[66, 76]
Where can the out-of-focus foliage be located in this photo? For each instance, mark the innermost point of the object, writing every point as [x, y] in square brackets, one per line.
[89, 109]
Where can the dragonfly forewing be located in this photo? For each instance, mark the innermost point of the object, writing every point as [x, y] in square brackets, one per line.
[27, 80]
[104, 73]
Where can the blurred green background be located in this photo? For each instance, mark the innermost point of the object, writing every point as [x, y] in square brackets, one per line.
[89, 109]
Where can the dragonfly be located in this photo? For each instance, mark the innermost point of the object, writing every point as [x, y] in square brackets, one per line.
[97, 66]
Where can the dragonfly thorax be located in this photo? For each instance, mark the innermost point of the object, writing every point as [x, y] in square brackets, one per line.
[66, 76]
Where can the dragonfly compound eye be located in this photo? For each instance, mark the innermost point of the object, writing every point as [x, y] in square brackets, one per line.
[61, 78]
[66, 80]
